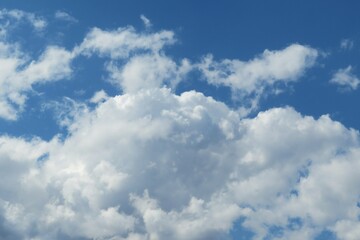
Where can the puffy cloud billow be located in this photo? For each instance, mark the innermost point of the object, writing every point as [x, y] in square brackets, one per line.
[150, 164]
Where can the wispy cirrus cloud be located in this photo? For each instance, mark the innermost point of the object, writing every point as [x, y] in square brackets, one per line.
[345, 79]
[146, 21]
[64, 16]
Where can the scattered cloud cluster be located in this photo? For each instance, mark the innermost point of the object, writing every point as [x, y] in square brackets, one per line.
[19, 74]
[19, 71]
[345, 79]
[10, 17]
[152, 164]
[147, 66]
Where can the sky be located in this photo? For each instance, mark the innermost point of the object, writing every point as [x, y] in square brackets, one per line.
[154, 120]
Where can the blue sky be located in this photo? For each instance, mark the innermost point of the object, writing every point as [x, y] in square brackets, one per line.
[179, 120]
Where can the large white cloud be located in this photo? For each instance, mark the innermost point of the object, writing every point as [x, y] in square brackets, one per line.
[154, 165]
[151, 164]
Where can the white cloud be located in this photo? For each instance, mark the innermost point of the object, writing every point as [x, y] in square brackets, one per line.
[53, 64]
[198, 220]
[99, 96]
[284, 65]
[64, 16]
[19, 74]
[146, 65]
[155, 165]
[123, 42]
[37, 22]
[150, 68]
[344, 78]
[19, 70]
[346, 44]
[348, 230]
[148, 71]
[251, 77]
[146, 21]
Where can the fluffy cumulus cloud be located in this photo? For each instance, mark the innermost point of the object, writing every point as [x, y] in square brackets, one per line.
[155, 165]
[271, 66]
[150, 164]
[345, 79]
[148, 71]
[250, 78]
